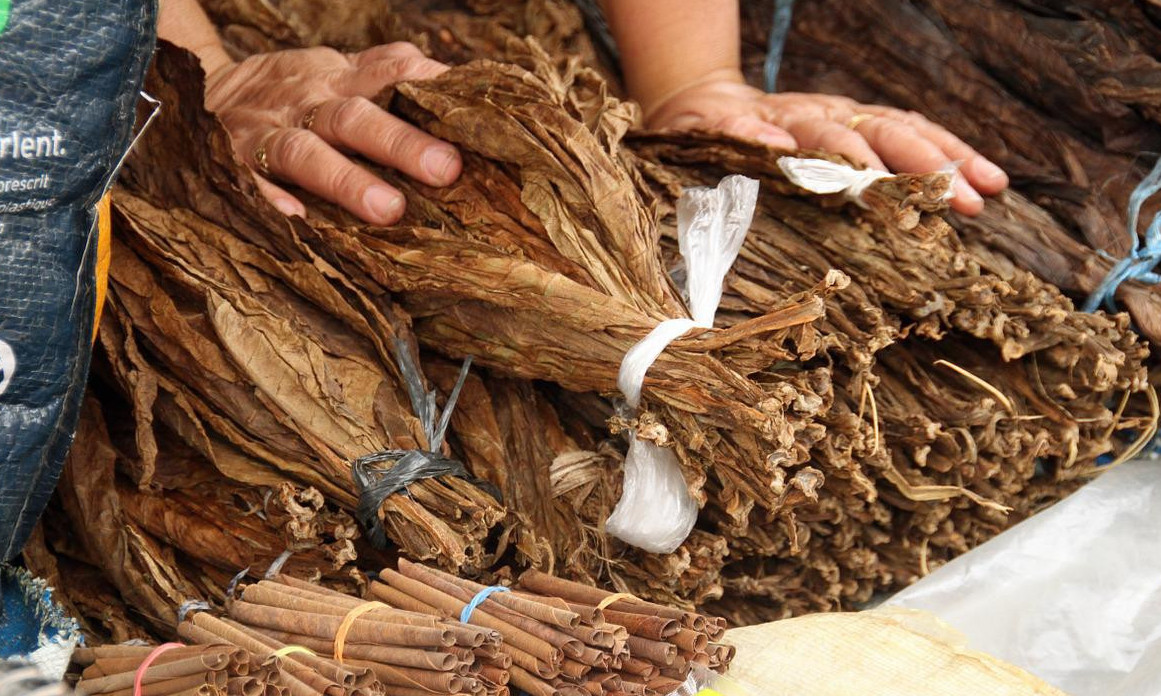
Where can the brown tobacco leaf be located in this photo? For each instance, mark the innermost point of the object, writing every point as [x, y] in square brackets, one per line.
[79, 586]
[135, 537]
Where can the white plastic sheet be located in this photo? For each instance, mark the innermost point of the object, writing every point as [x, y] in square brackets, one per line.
[826, 177]
[656, 512]
[1073, 594]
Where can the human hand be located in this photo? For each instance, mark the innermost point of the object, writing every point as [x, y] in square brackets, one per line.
[293, 114]
[878, 136]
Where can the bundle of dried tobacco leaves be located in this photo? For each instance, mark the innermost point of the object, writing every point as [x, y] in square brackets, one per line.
[1064, 97]
[877, 397]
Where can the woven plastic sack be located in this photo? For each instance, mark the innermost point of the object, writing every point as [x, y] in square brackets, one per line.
[1072, 594]
[870, 653]
[35, 632]
[70, 74]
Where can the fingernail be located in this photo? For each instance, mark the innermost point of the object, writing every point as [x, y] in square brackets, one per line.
[438, 162]
[780, 140]
[989, 172]
[289, 207]
[384, 204]
[964, 193]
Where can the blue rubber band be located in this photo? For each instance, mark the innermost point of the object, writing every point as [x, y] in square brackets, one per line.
[1141, 261]
[779, 30]
[478, 600]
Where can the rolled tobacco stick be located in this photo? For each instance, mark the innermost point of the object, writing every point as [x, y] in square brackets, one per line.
[202, 627]
[545, 584]
[540, 611]
[158, 684]
[437, 594]
[330, 669]
[365, 629]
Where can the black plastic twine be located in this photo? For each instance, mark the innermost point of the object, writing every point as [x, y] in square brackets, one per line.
[407, 466]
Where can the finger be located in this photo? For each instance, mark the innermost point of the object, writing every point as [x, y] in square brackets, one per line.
[370, 79]
[280, 198]
[985, 175]
[833, 137]
[397, 49]
[302, 158]
[752, 128]
[981, 173]
[739, 126]
[799, 106]
[322, 58]
[905, 149]
[357, 125]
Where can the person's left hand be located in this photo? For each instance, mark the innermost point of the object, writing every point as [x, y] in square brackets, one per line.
[293, 115]
[876, 136]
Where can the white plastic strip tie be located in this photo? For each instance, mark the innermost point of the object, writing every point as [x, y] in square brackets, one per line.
[825, 177]
[656, 511]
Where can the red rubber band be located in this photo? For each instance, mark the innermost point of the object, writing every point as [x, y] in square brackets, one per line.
[148, 661]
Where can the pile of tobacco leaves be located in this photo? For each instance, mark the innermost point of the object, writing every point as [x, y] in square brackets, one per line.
[881, 392]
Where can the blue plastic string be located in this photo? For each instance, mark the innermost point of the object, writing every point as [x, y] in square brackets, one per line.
[191, 605]
[1141, 261]
[233, 586]
[478, 600]
[276, 567]
[779, 30]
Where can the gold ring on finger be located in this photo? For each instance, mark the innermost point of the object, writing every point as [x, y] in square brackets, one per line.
[261, 160]
[857, 119]
[308, 117]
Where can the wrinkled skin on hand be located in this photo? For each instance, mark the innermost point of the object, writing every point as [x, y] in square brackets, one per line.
[294, 115]
[877, 136]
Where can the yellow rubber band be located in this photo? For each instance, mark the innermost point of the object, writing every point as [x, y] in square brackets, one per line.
[348, 621]
[614, 598]
[292, 649]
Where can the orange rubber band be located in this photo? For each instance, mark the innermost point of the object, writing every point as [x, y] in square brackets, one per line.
[148, 661]
[614, 598]
[348, 621]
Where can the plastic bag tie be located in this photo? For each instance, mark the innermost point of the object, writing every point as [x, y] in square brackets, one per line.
[466, 613]
[149, 661]
[656, 511]
[349, 621]
[1141, 261]
[825, 177]
[408, 466]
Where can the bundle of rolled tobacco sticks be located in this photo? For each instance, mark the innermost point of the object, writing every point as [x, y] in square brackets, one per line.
[171, 669]
[425, 632]
[564, 636]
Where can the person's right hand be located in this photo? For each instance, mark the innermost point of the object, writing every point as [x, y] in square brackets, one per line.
[293, 114]
[879, 137]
